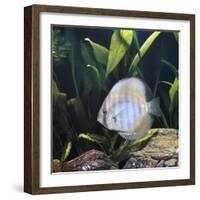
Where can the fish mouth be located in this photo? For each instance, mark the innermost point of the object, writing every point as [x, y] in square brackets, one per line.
[99, 120]
[103, 122]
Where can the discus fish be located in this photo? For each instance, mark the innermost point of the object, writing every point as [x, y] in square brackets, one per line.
[127, 110]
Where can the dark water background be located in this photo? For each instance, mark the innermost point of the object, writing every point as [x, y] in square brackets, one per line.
[164, 47]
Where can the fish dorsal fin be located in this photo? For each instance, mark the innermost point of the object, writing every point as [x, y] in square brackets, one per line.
[130, 84]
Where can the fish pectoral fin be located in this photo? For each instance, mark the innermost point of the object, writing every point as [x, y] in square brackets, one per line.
[128, 136]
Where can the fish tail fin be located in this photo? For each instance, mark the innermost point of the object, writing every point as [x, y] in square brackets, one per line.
[153, 106]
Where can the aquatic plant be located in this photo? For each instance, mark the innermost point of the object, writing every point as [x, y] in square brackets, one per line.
[84, 70]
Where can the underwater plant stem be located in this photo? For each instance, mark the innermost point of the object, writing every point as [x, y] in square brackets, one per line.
[164, 119]
[102, 148]
[59, 139]
[170, 119]
[73, 132]
[137, 68]
[171, 66]
[73, 62]
[157, 83]
[125, 63]
[160, 122]
[56, 79]
[119, 155]
[139, 72]
[72, 137]
[113, 142]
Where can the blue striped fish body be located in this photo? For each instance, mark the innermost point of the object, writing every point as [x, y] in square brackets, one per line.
[126, 109]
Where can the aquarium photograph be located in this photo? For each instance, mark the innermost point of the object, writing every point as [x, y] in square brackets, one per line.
[114, 98]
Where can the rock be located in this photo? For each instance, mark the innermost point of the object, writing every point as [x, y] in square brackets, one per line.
[161, 164]
[152, 163]
[90, 160]
[133, 163]
[171, 163]
[56, 165]
[162, 147]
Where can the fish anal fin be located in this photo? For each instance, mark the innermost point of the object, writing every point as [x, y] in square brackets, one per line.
[128, 136]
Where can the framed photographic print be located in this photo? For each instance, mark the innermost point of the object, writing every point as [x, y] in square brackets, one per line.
[109, 99]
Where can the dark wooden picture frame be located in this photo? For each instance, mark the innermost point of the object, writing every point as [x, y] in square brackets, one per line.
[32, 93]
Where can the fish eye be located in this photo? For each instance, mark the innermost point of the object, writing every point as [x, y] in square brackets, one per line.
[115, 118]
[104, 111]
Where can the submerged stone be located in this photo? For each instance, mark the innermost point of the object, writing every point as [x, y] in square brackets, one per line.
[56, 165]
[90, 160]
[160, 151]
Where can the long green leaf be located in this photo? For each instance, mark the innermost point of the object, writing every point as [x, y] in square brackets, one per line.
[173, 94]
[138, 72]
[166, 82]
[96, 82]
[113, 143]
[74, 64]
[120, 42]
[176, 35]
[97, 77]
[149, 134]
[92, 73]
[169, 64]
[86, 53]
[126, 36]
[58, 97]
[78, 113]
[100, 140]
[100, 52]
[55, 90]
[143, 50]
[92, 138]
[164, 120]
[66, 151]
[137, 43]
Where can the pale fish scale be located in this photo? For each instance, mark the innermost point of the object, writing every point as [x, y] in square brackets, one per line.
[133, 117]
[144, 125]
[138, 112]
